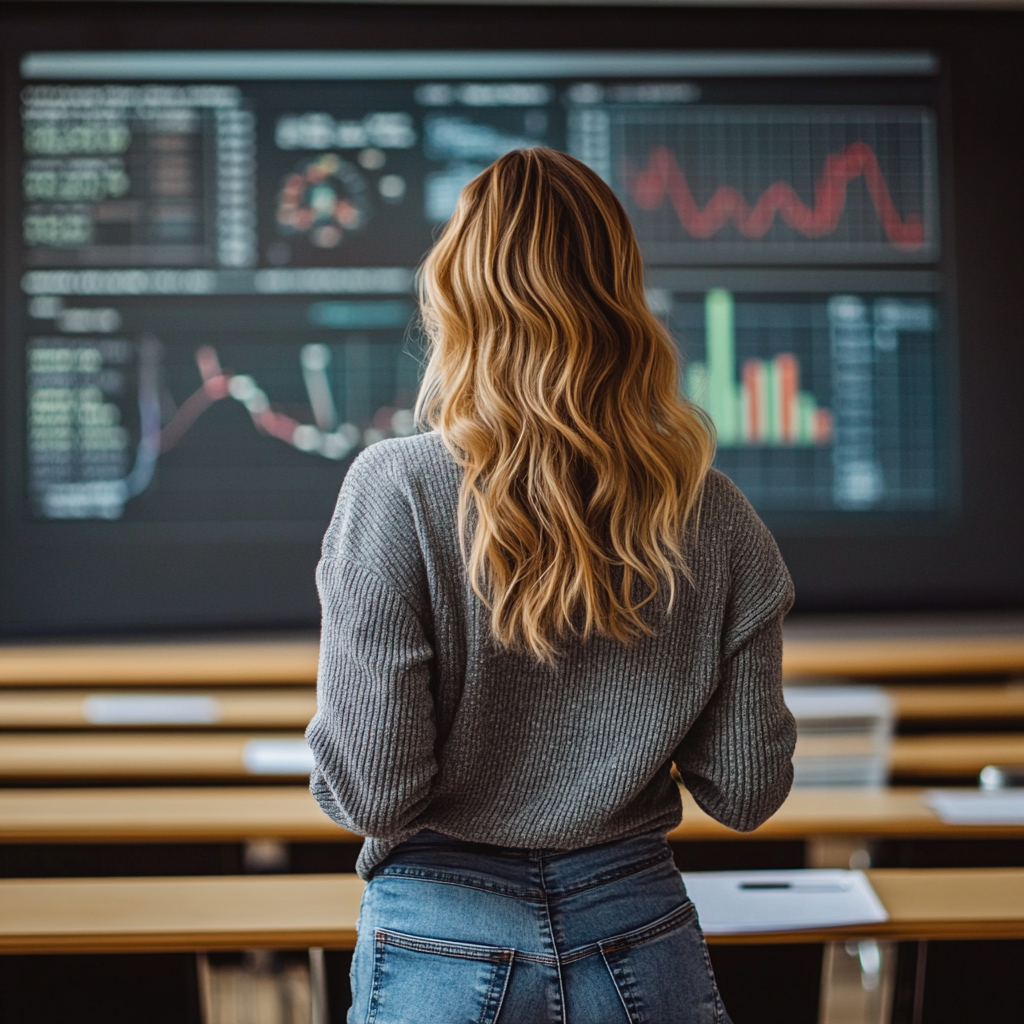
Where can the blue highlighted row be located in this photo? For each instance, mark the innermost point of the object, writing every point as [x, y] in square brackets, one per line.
[351, 315]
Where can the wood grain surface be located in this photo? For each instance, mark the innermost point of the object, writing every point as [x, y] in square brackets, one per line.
[290, 814]
[132, 755]
[299, 911]
[277, 661]
[150, 914]
[903, 656]
[185, 663]
[174, 814]
[958, 702]
[266, 708]
[955, 755]
[143, 755]
[293, 706]
[871, 813]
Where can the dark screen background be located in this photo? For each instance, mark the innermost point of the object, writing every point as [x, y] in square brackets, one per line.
[971, 556]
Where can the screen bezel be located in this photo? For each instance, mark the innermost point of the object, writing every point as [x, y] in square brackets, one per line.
[882, 561]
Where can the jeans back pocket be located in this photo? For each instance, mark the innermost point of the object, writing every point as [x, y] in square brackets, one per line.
[663, 972]
[430, 981]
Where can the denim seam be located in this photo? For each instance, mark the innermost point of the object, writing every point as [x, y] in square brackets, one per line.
[467, 881]
[537, 958]
[634, 868]
[676, 919]
[492, 1004]
[378, 975]
[624, 983]
[439, 947]
[554, 939]
[719, 1005]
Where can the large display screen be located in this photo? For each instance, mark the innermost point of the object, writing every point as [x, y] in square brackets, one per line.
[212, 255]
[219, 250]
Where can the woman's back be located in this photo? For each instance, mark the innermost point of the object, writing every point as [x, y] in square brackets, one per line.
[488, 744]
[530, 613]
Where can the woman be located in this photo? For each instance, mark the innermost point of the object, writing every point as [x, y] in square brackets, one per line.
[529, 614]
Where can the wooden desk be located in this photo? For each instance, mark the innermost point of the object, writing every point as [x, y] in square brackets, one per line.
[172, 815]
[904, 656]
[872, 814]
[938, 644]
[843, 646]
[926, 904]
[290, 814]
[136, 755]
[266, 708]
[958, 702]
[161, 914]
[962, 755]
[192, 663]
[219, 755]
[293, 706]
[299, 911]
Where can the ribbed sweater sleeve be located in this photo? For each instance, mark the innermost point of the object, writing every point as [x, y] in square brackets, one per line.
[373, 733]
[736, 760]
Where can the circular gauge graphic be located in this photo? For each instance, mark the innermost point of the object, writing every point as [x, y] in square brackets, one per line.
[324, 198]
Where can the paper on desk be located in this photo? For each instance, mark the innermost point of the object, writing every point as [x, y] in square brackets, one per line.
[771, 901]
[151, 709]
[277, 757]
[977, 807]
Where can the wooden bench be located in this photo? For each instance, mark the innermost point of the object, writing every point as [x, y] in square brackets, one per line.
[837, 646]
[292, 707]
[958, 702]
[303, 911]
[265, 708]
[180, 754]
[183, 663]
[939, 644]
[289, 814]
[955, 755]
[135, 755]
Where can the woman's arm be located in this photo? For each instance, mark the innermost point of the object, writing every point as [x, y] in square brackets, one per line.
[736, 760]
[373, 732]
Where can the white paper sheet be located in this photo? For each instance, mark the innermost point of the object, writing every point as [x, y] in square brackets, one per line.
[151, 709]
[277, 757]
[977, 807]
[771, 901]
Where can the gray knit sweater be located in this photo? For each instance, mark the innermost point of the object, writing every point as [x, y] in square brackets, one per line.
[424, 722]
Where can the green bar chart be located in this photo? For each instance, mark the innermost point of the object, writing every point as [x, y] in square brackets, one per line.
[762, 402]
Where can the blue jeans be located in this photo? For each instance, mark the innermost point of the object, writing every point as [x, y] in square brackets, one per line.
[459, 933]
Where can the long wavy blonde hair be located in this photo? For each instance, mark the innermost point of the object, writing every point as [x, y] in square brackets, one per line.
[557, 390]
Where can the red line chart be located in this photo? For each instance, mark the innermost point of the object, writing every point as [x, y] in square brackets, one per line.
[219, 384]
[663, 177]
[325, 438]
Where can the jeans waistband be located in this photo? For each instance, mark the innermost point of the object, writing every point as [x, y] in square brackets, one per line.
[523, 872]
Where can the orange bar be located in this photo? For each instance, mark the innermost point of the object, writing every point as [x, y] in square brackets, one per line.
[788, 370]
[822, 426]
[752, 371]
